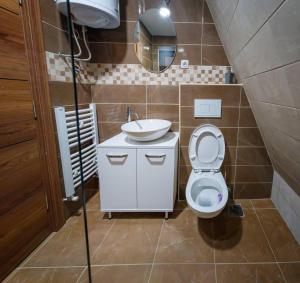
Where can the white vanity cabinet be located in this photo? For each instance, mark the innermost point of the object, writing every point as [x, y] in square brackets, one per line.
[138, 176]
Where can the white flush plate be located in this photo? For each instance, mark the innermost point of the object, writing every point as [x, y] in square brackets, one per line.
[207, 108]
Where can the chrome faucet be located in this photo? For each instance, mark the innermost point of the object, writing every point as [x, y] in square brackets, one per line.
[129, 113]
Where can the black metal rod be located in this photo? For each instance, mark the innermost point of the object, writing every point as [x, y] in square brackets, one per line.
[70, 33]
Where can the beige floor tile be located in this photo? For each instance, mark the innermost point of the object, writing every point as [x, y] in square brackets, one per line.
[183, 273]
[240, 239]
[282, 241]
[248, 273]
[291, 272]
[67, 246]
[262, 203]
[132, 239]
[117, 274]
[94, 201]
[46, 275]
[185, 238]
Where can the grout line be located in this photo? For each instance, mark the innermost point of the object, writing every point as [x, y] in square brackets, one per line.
[260, 28]
[104, 238]
[81, 274]
[269, 244]
[179, 161]
[201, 47]
[162, 226]
[237, 142]
[157, 264]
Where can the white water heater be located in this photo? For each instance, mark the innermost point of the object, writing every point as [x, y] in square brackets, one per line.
[93, 13]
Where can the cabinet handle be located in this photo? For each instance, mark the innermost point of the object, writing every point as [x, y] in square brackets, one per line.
[112, 155]
[155, 155]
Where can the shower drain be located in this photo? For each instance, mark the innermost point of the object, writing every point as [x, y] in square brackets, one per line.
[236, 210]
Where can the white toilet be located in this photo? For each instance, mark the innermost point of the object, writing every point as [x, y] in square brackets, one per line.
[206, 191]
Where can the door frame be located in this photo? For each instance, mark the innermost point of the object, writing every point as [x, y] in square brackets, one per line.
[32, 23]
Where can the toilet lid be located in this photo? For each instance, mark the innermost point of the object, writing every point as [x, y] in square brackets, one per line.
[207, 148]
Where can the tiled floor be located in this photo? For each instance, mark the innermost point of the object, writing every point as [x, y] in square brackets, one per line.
[146, 248]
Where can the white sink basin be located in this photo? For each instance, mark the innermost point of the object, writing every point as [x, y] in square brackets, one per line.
[146, 130]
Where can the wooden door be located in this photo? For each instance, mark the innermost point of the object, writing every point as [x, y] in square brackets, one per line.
[24, 221]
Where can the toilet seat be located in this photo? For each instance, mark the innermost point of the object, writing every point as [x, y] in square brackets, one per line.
[206, 191]
[207, 148]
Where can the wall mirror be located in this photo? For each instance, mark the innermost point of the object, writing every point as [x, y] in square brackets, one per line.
[155, 40]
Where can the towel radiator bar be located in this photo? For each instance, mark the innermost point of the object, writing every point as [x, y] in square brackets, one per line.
[68, 145]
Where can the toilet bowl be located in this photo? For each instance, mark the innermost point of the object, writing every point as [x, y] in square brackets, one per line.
[206, 190]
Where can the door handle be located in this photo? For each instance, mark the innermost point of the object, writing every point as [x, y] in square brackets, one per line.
[120, 155]
[155, 155]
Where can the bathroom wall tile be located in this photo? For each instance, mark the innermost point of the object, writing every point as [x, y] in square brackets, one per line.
[185, 134]
[175, 127]
[108, 130]
[207, 18]
[118, 112]
[129, 10]
[187, 11]
[228, 172]
[252, 156]
[252, 190]
[51, 15]
[124, 33]
[244, 99]
[229, 118]
[249, 137]
[184, 172]
[247, 118]
[248, 18]
[278, 87]
[116, 274]
[162, 94]
[55, 40]
[188, 52]
[214, 55]
[237, 239]
[188, 33]
[184, 156]
[230, 95]
[281, 240]
[163, 111]
[183, 239]
[285, 119]
[273, 33]
[254, 174]
[183, 273]
[61, 93]
[248, 273]
[119, 93]
[113, 53]
[230, 155]
[210, 35]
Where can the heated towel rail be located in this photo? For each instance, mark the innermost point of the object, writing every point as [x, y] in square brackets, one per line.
[68, 145]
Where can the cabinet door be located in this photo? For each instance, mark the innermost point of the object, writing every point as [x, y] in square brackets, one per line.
[117, 173]
[155, 178]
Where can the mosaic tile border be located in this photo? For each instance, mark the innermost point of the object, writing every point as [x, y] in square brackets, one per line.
[59, 69]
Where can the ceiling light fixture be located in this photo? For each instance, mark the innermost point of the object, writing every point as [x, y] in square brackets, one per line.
[164, 10]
